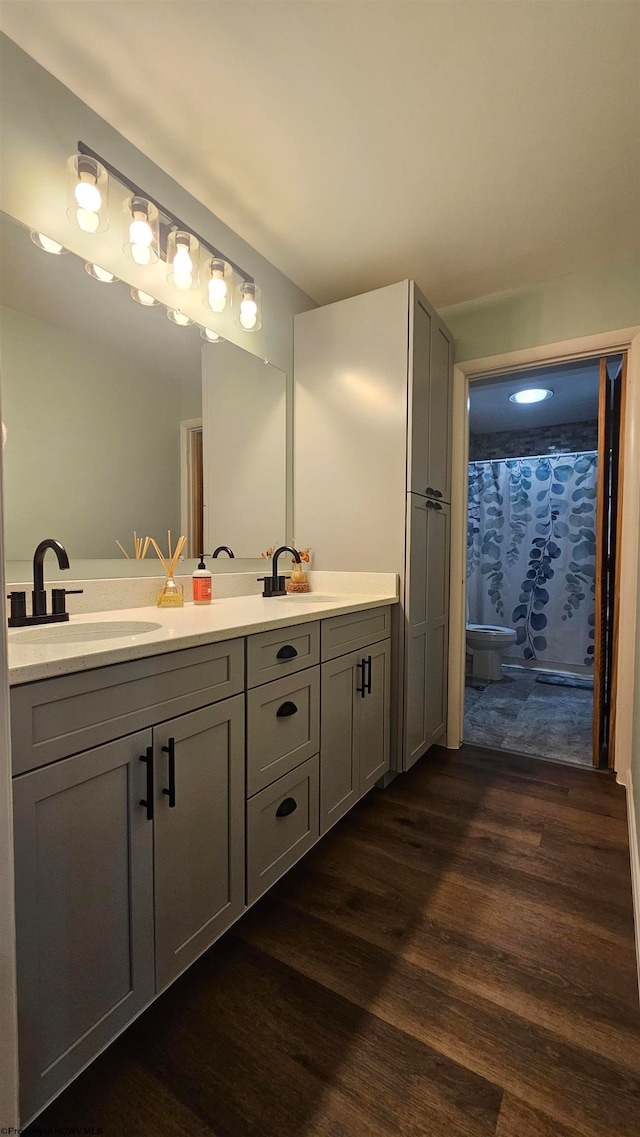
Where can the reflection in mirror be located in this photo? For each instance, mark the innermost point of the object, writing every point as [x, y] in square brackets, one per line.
[102, 399]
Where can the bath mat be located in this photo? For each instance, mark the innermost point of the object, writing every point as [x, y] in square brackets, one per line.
[583, 681]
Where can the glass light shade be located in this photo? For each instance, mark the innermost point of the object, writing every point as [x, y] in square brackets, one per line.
[87, 197]
[249, 306]
[101, 274]
[141, 233]
[144, 298]
[218, 279]
[531, 395]
[47, 244]
[183, 254]
[210, 337]
[179, 318]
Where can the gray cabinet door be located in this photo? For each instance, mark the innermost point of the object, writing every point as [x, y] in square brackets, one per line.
[339, 722]
[440, 412]
[419, 394]
[84, 896]
[198, 841]
[426, 643]
[373, 711]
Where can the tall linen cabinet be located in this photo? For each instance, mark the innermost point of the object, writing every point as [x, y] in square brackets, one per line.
[372, 477]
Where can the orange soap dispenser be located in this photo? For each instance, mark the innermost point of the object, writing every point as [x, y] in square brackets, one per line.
[202, 583]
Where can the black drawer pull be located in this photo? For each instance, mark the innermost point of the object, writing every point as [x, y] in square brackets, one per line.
[285, 710]
[367, 682]
[433, 493]
[170, 749]
[436, 505]
[289, 805]
[148, 801]
[287, 652]
[362, 690]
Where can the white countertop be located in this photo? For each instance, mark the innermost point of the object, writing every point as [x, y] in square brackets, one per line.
[179, 628]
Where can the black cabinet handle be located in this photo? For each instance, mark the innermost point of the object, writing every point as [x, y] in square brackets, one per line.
[433, 493]
[148, 801]
[362, 690]
[436, 505]
[287, 652]
[285, 710]
[289, 805]
[367, 682]
[170, 749]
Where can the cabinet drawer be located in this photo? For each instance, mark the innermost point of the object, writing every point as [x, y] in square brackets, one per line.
[271, 655]
[342, 634]
[55, 718]
[282, 824]
[283, 727]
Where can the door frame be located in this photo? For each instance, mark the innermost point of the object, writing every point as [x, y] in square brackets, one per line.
[466, 372]
[187, 428]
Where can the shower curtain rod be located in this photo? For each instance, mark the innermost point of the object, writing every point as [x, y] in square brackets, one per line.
[533, 457]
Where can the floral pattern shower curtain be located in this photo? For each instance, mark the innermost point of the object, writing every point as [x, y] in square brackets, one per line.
[531, 553]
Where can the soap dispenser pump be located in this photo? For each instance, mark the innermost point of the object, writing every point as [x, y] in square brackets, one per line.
[202, 583]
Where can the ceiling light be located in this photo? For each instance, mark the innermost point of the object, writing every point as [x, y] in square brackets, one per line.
[178, 317]
[210, 337]
[143, 298]
[250, 310]
[101, 274]
[531, 395]
[87, 184]
[46, 243]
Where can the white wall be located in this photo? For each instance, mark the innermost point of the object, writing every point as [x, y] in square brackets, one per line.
[93, 445]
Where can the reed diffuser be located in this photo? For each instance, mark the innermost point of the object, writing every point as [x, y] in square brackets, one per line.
[172, 595]
[140, 547]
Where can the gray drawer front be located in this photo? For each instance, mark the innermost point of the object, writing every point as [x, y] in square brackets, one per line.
[58, 717]
[263, 663]
[342, 634]
[276, 743]
[275, 843]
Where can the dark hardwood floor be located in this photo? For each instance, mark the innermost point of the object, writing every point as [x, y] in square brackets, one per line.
[456, 959]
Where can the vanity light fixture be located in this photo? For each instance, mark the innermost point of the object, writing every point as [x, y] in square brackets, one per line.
[178, 317]
[183, 252]
[144, 298]
[218, 285]
[101, 274]
[142, 230]
[154, 232]
[250, 307]
[88, 187]
[47, 244]
[210, 337]
[531, 395]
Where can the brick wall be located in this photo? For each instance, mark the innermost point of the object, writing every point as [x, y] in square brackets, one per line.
[566, 438]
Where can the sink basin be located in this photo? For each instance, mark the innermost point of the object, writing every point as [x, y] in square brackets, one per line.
[81, 633]
[309, 598]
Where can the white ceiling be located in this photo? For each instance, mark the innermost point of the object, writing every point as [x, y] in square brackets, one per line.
[575, 398]
[474, 145]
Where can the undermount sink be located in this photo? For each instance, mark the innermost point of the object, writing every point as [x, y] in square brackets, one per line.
[309, 598]
[82, 633]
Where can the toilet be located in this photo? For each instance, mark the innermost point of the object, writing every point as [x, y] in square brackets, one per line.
[487, 641]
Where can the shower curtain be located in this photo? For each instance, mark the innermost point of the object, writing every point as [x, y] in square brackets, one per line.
[531, 554]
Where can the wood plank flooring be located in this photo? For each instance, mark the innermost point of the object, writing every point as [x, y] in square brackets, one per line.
[455, 959]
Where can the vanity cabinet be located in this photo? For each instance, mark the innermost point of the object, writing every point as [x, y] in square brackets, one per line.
[84, 910]
[137, 848]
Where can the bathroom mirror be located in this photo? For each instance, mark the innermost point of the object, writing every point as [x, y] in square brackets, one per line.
[108, 432]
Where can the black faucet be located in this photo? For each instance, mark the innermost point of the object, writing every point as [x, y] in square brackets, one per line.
[223, 549]
[39, 615]
[274, 585]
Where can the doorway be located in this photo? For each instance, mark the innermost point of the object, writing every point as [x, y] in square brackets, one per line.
[542, 520]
